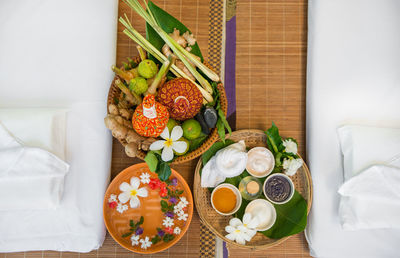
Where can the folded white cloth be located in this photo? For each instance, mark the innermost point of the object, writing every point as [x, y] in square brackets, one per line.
[371, 200]
[37, 127]
[30, 178]
[227, 162]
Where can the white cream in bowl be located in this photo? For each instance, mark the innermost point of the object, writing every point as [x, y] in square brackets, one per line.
[260, 162]
[264, 211]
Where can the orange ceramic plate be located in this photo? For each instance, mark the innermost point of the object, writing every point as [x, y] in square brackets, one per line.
[150, 208]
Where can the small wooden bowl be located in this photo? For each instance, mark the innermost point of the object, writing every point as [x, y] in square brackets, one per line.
[114, 93]
[216, 222]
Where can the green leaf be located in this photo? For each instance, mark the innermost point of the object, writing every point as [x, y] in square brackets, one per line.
[168, 237]
[291, 218]
[151, 161]
[155, 239]
[127, 234]
[194, 144]
[221, 130]
[163, 171]
[274, 140]
[167, 22]
[224, 121]
[213, 149]
[239, 214]
[131, 224]
[141, 220]
[164, 204]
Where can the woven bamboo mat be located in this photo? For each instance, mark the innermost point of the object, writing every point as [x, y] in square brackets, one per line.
[270, 83]
[270, 86]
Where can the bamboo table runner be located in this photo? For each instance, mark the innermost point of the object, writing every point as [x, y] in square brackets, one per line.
[271, 39]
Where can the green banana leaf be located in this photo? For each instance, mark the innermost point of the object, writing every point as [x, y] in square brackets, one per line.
[167, 22]
[291, 218]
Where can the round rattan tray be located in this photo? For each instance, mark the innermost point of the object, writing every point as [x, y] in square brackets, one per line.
[115, 93]
[216, 223]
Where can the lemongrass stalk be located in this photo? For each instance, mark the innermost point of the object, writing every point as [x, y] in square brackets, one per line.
[207, 71]
[176, 48]
[138, 38]
[161, 73]
[142, 54]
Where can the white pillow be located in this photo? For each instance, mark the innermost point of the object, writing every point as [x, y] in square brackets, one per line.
[364, 146]
[370, 198]
[37, 127]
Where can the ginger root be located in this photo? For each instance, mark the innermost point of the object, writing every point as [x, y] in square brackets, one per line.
[118, 121]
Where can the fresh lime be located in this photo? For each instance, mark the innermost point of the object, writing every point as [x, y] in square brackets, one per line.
[187, 148]
[171, 124]
[191, 129]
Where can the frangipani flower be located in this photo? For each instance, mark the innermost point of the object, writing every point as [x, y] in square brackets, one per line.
[291, 166]
[250, 224]
[290, 146]
[131, 192]
[240, 232]
[170, 143]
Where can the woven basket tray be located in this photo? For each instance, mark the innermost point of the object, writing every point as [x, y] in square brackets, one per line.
[115, 93]
[216, 223]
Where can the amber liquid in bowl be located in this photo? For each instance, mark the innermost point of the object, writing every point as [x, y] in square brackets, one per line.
[224, 200]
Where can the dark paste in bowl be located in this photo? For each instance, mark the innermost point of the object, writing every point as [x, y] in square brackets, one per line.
[278, 188]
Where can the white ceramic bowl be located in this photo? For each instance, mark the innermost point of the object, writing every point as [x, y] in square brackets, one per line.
[265, 152]
[236, 192]
[268, 205]
[292, 189]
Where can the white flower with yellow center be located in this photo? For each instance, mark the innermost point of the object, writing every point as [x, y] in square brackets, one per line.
[131, 192]
[240, 232]
[170, 143]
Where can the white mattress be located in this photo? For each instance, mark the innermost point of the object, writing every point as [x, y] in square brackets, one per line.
[353, 78]
[58, 53]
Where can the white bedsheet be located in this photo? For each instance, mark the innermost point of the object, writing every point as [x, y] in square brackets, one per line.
[56, 53]
[353, 78]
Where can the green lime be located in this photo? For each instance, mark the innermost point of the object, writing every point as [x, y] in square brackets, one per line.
[187, 148]
[191, 129]
[171, 124]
